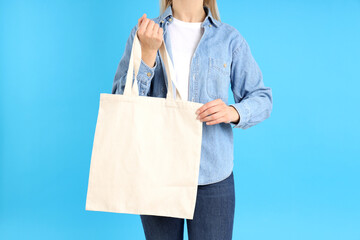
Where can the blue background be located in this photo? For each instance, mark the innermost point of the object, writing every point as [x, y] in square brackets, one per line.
[56, 57]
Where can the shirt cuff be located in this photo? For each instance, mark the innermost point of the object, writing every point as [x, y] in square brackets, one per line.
[145, 75]
[244, 113]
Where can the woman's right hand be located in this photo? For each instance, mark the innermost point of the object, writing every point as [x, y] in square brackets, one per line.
[150, 35]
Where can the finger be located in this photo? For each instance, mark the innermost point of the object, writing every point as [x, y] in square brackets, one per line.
[155, 30]
[143, 26]
[149, 29]
[141, 19]
[208, 105]
[160, 31]
[143, 23]
[210, 111]
[214, 117]
[219, 120]
[155, 26]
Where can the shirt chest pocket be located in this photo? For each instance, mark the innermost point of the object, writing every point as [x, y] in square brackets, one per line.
[218, 80]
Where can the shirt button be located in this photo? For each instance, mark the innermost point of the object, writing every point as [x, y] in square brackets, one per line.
[162, 21]
[149, 74]
[210, 25]
[224, 64]
[170, 19]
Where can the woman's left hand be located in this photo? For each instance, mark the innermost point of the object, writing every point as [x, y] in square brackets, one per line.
[217, 111]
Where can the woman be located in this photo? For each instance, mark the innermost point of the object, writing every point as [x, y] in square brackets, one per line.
[209, 56]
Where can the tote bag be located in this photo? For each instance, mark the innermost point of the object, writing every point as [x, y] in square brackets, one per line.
[146, 150]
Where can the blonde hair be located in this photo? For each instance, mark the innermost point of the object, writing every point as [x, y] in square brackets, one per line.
[211, 4]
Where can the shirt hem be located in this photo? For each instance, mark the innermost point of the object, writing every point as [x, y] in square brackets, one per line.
[216, 180]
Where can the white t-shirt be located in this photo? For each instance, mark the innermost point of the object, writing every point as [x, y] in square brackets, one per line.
[184, 37]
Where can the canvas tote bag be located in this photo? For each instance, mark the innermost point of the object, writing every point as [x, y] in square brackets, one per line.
[146, 150]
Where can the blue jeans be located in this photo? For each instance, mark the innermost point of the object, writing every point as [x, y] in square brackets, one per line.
[213, 216]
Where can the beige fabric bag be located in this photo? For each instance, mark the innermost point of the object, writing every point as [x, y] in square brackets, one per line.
[146, 150]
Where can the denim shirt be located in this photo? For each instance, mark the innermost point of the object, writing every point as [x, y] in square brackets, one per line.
[221, 60]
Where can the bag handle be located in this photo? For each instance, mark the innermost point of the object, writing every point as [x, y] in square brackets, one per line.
[134, 64]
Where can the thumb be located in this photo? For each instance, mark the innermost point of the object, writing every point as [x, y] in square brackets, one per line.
[141, 19]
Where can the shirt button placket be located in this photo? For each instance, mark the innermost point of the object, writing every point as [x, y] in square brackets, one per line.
[194, 78]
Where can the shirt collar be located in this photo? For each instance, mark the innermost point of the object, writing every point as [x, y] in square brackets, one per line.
[167, 14]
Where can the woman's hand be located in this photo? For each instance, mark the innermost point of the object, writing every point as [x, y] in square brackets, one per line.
[150, 35]
[217, 111]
